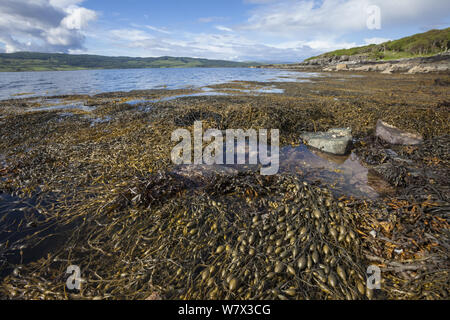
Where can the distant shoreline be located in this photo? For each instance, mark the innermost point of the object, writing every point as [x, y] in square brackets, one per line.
[35, 61]
[102, 69]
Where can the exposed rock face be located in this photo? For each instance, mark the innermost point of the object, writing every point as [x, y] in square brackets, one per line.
[437, 63]
[394, 135]
[335, 141]
[336, 60]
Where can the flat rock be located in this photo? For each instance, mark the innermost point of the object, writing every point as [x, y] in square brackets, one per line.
[335, 141]
[394, 135]
[341, 67]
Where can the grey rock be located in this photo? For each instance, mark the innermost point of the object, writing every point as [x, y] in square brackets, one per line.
[362, 62]
[394, 135]
[335, 141]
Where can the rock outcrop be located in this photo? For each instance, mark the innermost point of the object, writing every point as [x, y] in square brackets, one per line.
[436, 64]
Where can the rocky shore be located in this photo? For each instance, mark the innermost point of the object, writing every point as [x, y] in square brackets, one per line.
[359, 63]
[88, 181]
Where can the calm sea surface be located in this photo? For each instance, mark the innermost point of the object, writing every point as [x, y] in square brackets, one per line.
[50, 83]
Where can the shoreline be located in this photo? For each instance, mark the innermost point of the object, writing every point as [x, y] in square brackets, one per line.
[103, 69]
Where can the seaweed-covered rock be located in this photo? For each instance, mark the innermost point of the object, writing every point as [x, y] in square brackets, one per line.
[397, 175]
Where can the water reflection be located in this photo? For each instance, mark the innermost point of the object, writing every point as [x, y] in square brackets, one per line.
[169, 98]
[344, 174]
[20, 221]
[51, 83]
[78, 106]
[207, 92]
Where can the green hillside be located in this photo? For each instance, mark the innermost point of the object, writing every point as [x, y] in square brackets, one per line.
[418, 45]
[33, 61]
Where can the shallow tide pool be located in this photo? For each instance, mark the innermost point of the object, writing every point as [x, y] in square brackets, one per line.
[345, 175]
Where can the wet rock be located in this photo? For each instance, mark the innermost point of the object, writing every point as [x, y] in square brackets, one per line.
[335, 141]
[395, 174]
[394, 135]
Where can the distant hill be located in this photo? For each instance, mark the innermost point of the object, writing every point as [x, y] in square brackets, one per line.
[34, 61]
[418, 45]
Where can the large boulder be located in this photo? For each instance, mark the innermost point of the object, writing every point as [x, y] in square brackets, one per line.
[394, 135]
[335, 141]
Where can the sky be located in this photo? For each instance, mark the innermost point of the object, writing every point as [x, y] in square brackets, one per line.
[240, 30]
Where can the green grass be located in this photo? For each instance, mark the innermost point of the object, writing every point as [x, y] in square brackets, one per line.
[34, 61]
[418, 45]
[393, 55]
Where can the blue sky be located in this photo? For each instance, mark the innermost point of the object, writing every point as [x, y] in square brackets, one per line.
[243, 30]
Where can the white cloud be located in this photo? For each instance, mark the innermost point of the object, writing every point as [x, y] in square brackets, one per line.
[130, 35]
[43, 25]
[227, 46]
[158, 29]
[308, 18]
[324, 45]
[65, 3]
[222, 28]
[78, 18]
[375, 40]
